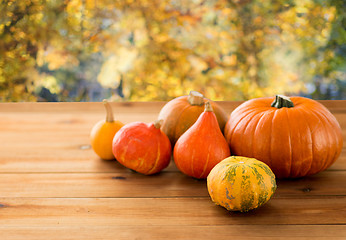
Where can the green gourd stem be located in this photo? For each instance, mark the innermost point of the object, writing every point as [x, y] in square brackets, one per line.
[282, 101]
[195, 98]
[208, 107]
[158, 123]
[109, 116]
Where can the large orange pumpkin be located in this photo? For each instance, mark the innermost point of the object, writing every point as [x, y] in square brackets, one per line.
[294, 136]
[180, 113]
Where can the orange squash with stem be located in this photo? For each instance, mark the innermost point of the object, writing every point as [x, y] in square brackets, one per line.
[294, 136]
[103, 132]
[142, 147]
[202, 146]
[180, 113]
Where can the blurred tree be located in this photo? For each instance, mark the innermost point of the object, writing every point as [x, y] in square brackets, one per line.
[85, 50]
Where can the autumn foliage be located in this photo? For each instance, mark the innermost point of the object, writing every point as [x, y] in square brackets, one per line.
[87, 50]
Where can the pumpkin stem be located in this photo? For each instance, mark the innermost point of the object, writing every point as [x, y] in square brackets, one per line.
[109, 117]
[158, 123]
[282, 101]
[208, 107]
[195, 98]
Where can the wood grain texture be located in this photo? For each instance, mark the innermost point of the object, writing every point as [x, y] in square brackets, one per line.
[165, 184]
[238, 232]
[49, 212]
[54, 137]
[53, 186]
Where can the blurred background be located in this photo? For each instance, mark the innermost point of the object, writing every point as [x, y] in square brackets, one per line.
[149, 50]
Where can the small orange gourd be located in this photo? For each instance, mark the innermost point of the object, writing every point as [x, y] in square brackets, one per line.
[103, 132]
[142, 147]
[202, 146]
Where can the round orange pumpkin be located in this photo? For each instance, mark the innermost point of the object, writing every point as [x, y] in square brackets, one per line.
[241, 184]
[142, 147]
[294, 136]
[180, 113]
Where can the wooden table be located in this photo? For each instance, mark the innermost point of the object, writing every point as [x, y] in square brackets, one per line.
[53, 186]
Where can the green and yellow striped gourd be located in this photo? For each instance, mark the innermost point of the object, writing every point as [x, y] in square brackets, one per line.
[241, 184]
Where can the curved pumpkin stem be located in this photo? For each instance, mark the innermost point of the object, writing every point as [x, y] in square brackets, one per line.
[158, 123]
[282, 101]
[208, 107]
[109, 117]
[195, 98]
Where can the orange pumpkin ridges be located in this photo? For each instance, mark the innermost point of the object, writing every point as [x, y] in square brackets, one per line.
[142, 147]
[294, 136]
[102, 133]
[201, 147]
[180, 113]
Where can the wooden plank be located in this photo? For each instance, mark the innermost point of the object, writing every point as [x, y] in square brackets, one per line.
[239, 232]
[48, 137]
[166, 184]
[340, 163]
[126, 184]
[327, 183]
[332, 105]
[54, 137]
[75, 157]
[46, 143]
[124, 111]
[58, 157]
[65, 212]
[65, 151]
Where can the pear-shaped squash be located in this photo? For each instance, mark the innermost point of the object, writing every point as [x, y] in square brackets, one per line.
[180, 113]
[201, 147]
